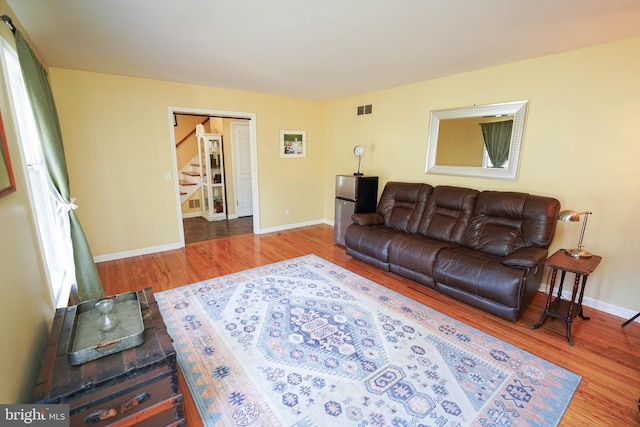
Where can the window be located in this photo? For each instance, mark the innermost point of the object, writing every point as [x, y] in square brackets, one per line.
[51, 213]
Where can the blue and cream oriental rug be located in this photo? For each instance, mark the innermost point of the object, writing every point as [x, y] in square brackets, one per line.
[307, 343]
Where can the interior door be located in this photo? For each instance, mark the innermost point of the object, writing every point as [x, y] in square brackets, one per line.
[242, 168]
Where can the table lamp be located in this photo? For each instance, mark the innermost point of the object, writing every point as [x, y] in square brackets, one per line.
[358, 150]
[573, 216]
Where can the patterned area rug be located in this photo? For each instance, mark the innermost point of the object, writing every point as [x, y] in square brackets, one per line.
[307, 343]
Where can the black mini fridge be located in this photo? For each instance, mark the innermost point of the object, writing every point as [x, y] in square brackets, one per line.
[354, 194]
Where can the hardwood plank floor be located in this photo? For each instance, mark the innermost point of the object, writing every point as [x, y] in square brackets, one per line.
[199, 229]
[605, 354]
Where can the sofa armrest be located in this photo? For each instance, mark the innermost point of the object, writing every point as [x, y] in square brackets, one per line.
[525, 257]
[372, 218]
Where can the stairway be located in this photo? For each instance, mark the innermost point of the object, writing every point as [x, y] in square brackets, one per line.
[190, 180]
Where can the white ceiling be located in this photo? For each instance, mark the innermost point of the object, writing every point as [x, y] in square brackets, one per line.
[323, 49]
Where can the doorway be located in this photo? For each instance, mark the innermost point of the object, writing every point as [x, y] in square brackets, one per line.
[239, 132]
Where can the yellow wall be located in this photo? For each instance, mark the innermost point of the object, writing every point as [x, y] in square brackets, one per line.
[26, 304]
[105, 116]
[581, 145]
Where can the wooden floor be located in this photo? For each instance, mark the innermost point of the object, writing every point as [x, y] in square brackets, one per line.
[199, 229]
[605, 354]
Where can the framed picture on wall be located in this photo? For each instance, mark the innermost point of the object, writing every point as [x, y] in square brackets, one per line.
[7, 183]
[293, 143]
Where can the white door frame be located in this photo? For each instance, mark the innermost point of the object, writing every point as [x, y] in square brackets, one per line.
[255, 190]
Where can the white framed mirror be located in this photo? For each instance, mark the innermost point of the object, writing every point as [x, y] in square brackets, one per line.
[468, 141]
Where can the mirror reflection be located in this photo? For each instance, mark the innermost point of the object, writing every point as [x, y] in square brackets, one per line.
[475, 141]
[481, 141]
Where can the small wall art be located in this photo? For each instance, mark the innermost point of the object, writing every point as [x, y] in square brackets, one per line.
[293, 143]
[7, 183]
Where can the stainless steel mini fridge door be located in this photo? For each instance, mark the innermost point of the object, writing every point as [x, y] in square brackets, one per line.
[346, 187]
[344, 210]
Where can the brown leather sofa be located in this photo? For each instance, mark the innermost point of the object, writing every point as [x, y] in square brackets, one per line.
[485, 248]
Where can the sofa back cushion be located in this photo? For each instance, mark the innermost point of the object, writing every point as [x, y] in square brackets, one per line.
[505, 221]
[402, 204]
[447, 213]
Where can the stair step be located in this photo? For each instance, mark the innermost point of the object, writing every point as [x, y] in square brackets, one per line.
[192, 173]
[183, 193]
[185, 182]
[195, 165]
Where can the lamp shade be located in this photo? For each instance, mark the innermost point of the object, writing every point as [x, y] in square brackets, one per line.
[573, 216]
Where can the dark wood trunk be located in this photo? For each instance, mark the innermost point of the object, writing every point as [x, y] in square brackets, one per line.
[138, 386]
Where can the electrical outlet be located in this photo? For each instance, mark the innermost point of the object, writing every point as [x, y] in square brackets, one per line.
[286, 212]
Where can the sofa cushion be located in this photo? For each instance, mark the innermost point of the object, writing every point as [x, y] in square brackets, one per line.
[479, 274]
[369, 243]
[505, 221]
[447, 213]
[414, 257]
[402, 204]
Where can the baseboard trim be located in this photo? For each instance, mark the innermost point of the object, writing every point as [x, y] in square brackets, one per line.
[136, 252]
[199, 214]
[289, 226]
[191, 215]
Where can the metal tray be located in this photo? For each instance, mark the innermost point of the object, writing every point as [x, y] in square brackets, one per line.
[88, 342]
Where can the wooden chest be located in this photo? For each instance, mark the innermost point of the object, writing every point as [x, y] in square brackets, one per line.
[137, 386]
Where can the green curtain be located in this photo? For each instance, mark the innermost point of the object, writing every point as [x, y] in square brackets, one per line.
[46, 117]
[497, 140]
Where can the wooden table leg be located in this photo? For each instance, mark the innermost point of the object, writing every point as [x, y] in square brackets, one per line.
[554, 273]
[561, 283]
[582, 316]
[569, 319]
